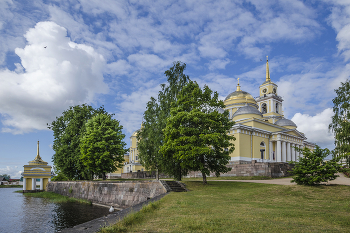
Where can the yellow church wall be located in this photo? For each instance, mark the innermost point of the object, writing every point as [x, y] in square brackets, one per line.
[256, 147]
[45, 182]
[244, 145]
[245, 116]
[28, 183]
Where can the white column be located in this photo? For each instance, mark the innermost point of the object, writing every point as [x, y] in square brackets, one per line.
[24, 183]
[293, 152]
[270, 151]
[284, 152]
[289, 157]
[41, 184]
[33, 183]
[296, 153]
[278, 151]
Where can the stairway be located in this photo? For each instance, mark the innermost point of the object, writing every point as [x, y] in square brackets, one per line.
[176, 186]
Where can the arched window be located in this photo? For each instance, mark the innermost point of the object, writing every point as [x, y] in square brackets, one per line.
[263, 108]
[262, 150]
[277, 107]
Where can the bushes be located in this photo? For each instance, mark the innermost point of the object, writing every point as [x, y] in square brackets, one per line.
[312, 169]
[345, 171]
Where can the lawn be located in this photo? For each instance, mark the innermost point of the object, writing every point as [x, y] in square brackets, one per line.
[244, 207]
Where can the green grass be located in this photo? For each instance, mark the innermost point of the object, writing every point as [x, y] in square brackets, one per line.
[230, 178]
[11, 186]
[244, 207]
[57, 198]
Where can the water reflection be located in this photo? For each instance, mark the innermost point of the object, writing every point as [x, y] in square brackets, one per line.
[19, 213]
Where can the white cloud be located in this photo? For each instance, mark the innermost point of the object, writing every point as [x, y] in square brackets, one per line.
[14, 172]
[218, 64]
[132, 106]
[340, 21]
[315, 127]
[57, 73]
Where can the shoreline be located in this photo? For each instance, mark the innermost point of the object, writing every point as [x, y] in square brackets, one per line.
[110, 219]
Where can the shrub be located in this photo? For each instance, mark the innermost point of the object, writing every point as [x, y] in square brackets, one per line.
[59, 177]
[312, 169]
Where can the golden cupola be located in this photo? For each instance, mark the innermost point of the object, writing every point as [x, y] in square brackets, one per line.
[240, 97]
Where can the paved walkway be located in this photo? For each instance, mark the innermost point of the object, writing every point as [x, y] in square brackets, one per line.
[342, 180]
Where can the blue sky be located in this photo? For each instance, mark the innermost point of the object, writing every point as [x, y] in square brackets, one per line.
[114, 53]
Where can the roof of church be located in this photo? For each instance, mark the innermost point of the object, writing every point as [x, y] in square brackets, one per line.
[285, 122]
[247, 110]
[239, 94]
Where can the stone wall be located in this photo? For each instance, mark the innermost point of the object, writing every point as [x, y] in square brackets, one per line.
[121, 194]
[142, 175]
[255, 169]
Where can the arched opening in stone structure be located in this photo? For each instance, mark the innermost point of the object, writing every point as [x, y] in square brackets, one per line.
[277, 107]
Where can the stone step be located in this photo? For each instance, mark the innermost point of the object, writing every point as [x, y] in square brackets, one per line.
[175, 186]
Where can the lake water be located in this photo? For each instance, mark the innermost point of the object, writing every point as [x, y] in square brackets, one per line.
[19, 213]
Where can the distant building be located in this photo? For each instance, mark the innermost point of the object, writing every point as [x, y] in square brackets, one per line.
[36, 170]
[3, 180]
[132, 162]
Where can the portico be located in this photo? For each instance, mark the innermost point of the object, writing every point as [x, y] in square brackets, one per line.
[36, 170]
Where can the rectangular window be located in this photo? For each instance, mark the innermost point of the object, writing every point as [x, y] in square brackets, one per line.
[136, 157]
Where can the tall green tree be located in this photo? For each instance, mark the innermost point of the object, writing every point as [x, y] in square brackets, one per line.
[67, 131]
[102, 146]
[311, 169]
[341, 121]
[196, 134]
[151, 135]
[149, 138]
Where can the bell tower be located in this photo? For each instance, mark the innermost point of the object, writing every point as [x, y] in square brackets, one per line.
[270, 104]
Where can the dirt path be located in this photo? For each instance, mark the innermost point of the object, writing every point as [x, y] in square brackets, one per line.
[342, 180]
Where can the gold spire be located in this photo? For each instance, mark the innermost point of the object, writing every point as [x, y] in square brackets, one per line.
[238, 86]
[38, 158]
[267, 70]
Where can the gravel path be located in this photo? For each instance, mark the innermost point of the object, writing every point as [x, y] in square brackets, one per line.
[341, 180]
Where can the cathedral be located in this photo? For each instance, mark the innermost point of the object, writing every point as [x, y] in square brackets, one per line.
[261, 131]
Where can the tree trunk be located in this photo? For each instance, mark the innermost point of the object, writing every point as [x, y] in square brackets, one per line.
[204, 178]
[157, 174]
[103, 176]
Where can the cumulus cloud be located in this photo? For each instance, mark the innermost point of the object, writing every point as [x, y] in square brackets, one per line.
[340, 21]
[315, 127]
[14, 172]
[57, 73]
[133, 106]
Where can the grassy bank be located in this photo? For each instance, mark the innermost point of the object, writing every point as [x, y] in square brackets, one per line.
[230, 178]
[11, 186]
[54, 197]
[244, 207]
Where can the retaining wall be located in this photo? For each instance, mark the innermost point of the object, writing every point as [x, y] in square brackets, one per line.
[121, 194]
[255, 169]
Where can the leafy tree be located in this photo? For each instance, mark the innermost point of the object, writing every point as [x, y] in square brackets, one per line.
[67, 131]
[151, 135]
[6, 176]
[149, 138]
[102, 146]
[312, 169]
[196, 134]
[341, 121]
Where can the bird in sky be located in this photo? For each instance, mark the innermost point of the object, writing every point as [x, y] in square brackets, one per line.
[45, 47]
